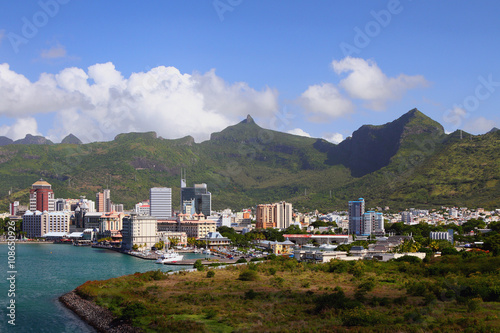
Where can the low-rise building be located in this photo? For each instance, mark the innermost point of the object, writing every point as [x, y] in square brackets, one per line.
[278, 248]
[215, 239]
[167, 236]
[195, 226]
[37, 224]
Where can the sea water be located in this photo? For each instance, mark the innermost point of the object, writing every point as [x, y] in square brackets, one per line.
[43, 272]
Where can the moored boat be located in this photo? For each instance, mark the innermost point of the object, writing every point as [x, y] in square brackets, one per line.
[168, 257]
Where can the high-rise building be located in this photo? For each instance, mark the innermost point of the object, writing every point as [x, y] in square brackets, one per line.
[160, 202]
[283, 213]
[407, 217]
[103, 201]
[265, 216]
[364, 224]
[356, 211]
[202, 198]
[42, 197]
[13, 207]
[99, 201]
[107, 200]
[373, 223]
[139, 230]
[277, 215]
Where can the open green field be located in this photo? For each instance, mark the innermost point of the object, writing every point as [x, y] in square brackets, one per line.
[446, 294]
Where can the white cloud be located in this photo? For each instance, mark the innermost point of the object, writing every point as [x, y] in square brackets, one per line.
[366, 81]
[455, 117]
[333, 137]
[54, 52]
[479, 125]
[299, 131]
[99, 103]
[324, 102]
[20, 128]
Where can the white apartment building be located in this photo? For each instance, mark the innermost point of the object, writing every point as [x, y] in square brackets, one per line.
[139, 230]
[37, 224]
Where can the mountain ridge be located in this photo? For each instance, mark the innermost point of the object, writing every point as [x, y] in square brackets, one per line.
[245, 164]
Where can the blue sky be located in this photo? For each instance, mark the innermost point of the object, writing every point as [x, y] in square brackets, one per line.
[318, 68]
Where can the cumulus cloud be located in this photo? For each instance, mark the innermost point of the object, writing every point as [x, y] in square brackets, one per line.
[99, 103]
[325, 102]
[299, 131]
[20, 128]
[479, 125]
[333, 137]
[454, 117]
[54, 52]
[366, 81]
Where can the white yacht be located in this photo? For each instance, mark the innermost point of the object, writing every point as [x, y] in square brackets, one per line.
[168, 257]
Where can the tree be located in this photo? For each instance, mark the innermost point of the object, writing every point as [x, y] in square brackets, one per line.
[472, 224]
[198, 265]
[294, 229]
[409, 245]
[160, 245]
[492, 243]
[173, 241]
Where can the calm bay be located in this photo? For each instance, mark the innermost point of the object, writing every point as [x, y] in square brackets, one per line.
[47, 271]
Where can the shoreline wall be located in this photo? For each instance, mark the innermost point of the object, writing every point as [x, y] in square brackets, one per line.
[100, 318]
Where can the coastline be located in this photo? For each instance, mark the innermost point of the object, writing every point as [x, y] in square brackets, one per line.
[98, 317]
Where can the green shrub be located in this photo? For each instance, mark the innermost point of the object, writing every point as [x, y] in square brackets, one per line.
[335, 300]
[210, 274]
[251, 294]
[271, 256]
[473, 304]
[210, 314]
[410, 259]
[241, 260]
[449, 251]
[362, 317]
[272, 271]
[278, 281]
[248, 275]
[198, 265]
[134, 310]
[157, 275]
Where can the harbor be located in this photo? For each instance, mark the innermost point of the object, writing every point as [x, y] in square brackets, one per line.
[46, 271]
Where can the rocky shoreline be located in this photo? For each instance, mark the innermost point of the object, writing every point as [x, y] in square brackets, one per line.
[100, 318]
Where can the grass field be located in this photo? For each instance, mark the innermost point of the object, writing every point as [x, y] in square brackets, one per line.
[447, 294]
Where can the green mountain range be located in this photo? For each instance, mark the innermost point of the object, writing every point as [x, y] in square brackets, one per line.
[409, 162]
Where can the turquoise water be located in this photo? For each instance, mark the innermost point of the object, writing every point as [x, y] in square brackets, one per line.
[46, 271]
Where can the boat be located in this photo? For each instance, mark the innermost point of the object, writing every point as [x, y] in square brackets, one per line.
[328, 246]
[309, 245]
[168, 257]
[206, 251]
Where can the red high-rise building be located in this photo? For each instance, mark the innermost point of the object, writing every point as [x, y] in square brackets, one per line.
[42, 197]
